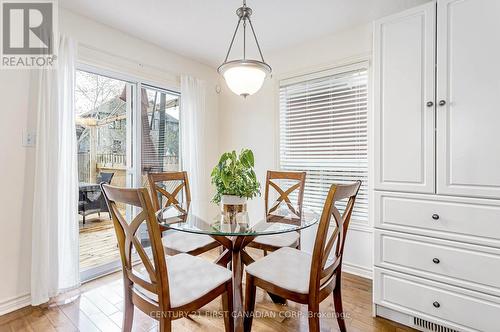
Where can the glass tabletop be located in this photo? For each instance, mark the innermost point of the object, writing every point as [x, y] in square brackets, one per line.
[180, 217]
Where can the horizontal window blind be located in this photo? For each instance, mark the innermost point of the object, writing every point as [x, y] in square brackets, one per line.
[323, 131]
[160, 130]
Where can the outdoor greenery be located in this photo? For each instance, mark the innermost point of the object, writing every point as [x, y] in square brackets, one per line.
[234, 175]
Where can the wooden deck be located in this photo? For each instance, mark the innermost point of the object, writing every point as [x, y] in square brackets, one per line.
[98, 244]
[98, 307]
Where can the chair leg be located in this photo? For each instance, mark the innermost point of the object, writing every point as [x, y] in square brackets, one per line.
[165, 325]
[227, 307]
[313, 317]
[249, 303]
[337, 301]
[265, 252]
[128, 310]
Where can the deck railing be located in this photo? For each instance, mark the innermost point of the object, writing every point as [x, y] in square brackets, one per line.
[83, 167]
[111, 158]
[114, 160]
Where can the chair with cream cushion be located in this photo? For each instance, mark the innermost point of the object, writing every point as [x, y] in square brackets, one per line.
[296, 182]
[304, 278]
[168, 186]
[165, 288]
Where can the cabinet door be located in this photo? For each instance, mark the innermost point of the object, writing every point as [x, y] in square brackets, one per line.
[404, 82]
[468, 83]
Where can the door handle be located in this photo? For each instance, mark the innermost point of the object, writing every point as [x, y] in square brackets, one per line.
[442, 102]
[430, 104]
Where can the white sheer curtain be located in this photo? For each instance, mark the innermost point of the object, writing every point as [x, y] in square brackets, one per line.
[193, 139]
[54, 262]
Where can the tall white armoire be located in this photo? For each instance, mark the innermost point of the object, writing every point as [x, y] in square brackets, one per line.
[437, 166]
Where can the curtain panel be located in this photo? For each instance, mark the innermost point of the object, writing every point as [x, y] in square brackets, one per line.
[193, 138]
[55, 263]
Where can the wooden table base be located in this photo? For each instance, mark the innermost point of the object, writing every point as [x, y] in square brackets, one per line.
[235, 254]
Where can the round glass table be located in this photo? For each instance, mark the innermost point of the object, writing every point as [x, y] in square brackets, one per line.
[234, 233]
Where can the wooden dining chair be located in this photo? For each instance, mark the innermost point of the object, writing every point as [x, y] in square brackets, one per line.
[169, 187]
[166, 288]
[290, 239]
[304, 278]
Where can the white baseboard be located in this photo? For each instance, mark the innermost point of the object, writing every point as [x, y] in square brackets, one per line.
[358, 270]
[14, 304]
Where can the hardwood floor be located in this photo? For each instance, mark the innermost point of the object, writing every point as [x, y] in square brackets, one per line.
[98, 306]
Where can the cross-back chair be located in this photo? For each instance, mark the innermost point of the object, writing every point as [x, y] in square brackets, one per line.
[304, 278]
[166, 288]
[290, 239]
[170, 185]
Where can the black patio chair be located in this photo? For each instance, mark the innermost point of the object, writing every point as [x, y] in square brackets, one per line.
[91, 199]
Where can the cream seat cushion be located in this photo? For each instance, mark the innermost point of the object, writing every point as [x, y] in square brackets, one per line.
[185, 242]
[278, 240]
[287, 268]
[189, 277]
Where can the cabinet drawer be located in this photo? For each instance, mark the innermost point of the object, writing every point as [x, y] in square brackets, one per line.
[447, 261]
[436, 301]
[467, 220]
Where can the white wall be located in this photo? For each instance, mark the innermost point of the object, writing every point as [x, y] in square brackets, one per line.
[253, 122]
[99, 45]
[16, 172]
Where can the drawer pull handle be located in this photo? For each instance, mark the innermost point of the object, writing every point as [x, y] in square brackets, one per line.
[436, 260]
[436, 304]
[435, 216]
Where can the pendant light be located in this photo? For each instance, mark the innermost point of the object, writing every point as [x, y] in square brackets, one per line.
[246, 76]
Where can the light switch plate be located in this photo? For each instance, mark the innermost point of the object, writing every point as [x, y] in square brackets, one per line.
[29, 138]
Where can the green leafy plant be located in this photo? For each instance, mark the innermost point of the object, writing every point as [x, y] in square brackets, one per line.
[234, 175]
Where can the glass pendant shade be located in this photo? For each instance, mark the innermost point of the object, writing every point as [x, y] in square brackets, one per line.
[244, 77]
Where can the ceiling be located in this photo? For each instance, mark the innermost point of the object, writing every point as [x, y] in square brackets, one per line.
[202, 29]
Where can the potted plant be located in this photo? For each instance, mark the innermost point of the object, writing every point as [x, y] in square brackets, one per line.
[235, 181]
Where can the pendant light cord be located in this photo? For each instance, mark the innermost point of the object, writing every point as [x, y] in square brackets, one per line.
[232, 40]
[244, 18]
[256, 41]
[244, 39]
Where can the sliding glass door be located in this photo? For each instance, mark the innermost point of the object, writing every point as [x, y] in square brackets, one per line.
[104, 112]
[125, 130]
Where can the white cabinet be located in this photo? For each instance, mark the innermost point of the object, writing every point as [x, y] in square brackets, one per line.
[465, 158]
[442, 260]
[460, 309]
[405, 72]
[468, 82]
[436, 181]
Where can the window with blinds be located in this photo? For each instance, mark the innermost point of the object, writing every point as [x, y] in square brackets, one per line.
[323, 131]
